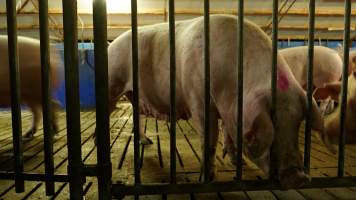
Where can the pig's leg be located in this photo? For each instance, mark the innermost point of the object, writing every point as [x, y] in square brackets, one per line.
[143, 138]
[36, 117]
[213, 139]
[229, 147]
[112, 106]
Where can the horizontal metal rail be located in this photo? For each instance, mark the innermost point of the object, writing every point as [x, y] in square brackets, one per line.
[34, 177]
[149, 189]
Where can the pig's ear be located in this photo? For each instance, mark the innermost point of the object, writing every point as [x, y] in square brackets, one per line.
[258, 136]
[329, 90]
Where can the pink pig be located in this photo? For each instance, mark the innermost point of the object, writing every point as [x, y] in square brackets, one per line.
[30, 77]
[327, 64]
[258, 130]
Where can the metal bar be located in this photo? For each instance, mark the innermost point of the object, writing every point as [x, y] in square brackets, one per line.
[75, 167]
[240, 89]
[104, 172]
[15, 92]
[172, 63]
[135, 86]
[309, 103]
[46, 95]
[207, 149]
[345, 72]
[34, 177]
[274, 77]
[245, 185]
[268, 25]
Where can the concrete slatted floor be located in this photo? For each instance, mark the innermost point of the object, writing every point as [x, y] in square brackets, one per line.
[155, 160]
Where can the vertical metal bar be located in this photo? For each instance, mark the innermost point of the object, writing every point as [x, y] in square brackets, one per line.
[172, 63]
[15, 93]
[46, 95]
[206, 90]
[274, 74]
[309, 102]
[345, 72]
[102, 94]
[240, 89]
[75, 168]
[135, 86]
[274, 57]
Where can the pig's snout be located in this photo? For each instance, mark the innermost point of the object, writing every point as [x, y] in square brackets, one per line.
[293, 177]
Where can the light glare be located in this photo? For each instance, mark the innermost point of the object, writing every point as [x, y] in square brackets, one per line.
[112, 6]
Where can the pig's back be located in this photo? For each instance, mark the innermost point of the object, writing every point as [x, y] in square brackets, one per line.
[29, 66]
[327, 66]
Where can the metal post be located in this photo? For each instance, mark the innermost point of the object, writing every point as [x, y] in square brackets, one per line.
[274, 76]
[46, 96]
[15, 93]
[172, 63]
[102, 94]
[309, 102]
[345, 72]
[239, 141]
[135, 86]
[75, 168]
[206, 91]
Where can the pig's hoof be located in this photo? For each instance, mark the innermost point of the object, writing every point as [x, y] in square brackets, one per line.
[29, 134]
[56, 135]
[211, 177]
[293, 178]
[146, 141]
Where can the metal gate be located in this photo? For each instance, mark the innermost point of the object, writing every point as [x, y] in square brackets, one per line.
[77, 171]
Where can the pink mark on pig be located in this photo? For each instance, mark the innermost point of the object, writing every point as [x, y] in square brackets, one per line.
[282, 80]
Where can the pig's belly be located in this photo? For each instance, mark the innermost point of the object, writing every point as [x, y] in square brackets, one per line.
[27, 96]
[160, 108]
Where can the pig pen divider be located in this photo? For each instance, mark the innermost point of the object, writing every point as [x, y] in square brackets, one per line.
[173, 117]
[207, 132]
[46, 96]
[274, 73]
[75, 163]
[309, 102]
[240, 88]
[77, 171]
[345, 72]
[102, 96]
[15, 93]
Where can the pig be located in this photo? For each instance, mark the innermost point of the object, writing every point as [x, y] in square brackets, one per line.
[352, 62]
[327, 64]
[30, 78]
[352, 57]
[258, 130]
[332, 120]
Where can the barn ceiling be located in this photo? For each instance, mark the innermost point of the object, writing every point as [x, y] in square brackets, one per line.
[293, 16]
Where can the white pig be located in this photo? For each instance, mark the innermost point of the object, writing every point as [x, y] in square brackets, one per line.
[327, 64]
[352, 60]
[258, 130]
[352, 57]
[30, 77]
